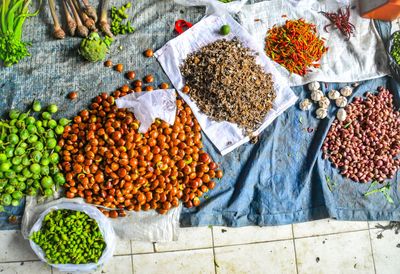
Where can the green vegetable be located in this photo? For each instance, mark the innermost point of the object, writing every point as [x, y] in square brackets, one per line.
[69, 237]
[395, 50]
[37, 106]
[93, 48]
[52, 108]
[13, 14]
[117, 16]
[225, 30]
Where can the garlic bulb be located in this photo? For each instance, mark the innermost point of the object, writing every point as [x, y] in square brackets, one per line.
[322, 113]
[346, 91]
[313, 86]
[341, 115]
[316, 95]
[333, 94]
[324, 102]
[305, 104]
[341, 102]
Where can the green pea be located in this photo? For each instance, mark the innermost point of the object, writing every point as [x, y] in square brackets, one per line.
[38, 146]
[3, 157]
[16, 160]
[9, 189]
[52, 108]
[32, 139]
[20, 124]
[50, 133]
[41, 129]
[26, 161]
[19, 151]
[63, 122]
[6, 199]
[45, 170]
[36, 176]
[14, 129]
[13, 182]
[36, 106]
[36, 184]
[38, 123]
[15, 202]
[52, 123]
[12, 122]
[13, 139]
[51, 143]
[54, 158]
[9, 151]
[57, 149]
[31, 128]
[46, 116]
[23, 145]
[45, 161]
[31, 191]
[24, 134]
[17, 195]
[9, 174]
[23, 116]
[36, 156]
[21, 186]
[18, 168]
[14, 114]
[59, 130]
[35, 168]
[30, 120]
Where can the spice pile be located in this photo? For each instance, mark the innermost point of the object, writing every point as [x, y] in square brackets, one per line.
[109, 163]
[228, 85]
[295, 45]
[29, 155]
[341, 21]
[365, 145]
[70, 237]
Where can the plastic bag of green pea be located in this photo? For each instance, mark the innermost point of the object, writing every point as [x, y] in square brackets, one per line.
[104, 225]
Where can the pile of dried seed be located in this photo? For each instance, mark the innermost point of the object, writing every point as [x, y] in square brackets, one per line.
[228, 85]
[365, 145]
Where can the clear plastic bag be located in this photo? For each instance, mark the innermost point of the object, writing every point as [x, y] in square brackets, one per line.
[104, 225]
[215, 6]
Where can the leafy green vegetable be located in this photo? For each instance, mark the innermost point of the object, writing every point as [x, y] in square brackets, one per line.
[93, 48]
[12, 17]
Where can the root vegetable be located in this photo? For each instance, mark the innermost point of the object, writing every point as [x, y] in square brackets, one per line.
[71, 25]
[89, 10]
[87, 21]
[58, 31]
[82, 31]
[103, 23]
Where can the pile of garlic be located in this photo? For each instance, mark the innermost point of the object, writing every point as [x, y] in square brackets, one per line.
[318, 97]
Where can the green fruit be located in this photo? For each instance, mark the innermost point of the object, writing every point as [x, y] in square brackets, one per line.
[225, 30]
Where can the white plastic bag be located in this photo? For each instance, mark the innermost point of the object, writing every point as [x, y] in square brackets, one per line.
[147, 106]
[215, 6]
[105, 227]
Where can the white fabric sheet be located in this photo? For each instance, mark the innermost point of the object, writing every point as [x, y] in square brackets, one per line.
[224, 135]
[361, 58]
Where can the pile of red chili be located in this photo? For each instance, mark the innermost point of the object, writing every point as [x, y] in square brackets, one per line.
[295, 45]
[340, 20]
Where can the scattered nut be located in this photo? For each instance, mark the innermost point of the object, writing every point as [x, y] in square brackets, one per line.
[316, 95]
[73, 95]
[130, 75]
[149, 53]
[341, 115]
[108, 63]
[186, 89]
[119, 67]
[149, 88]
[149, 78]
[324, 102]
[305, 104]
[333, 94]
[346, 91]
[164, 85]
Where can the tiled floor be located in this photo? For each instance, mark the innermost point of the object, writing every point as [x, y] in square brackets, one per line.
[324, 246]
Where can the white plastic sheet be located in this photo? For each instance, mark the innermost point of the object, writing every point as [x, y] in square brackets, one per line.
[105, 227]
[215, 6]
[147, 106]
[361, 58]
[224, 135]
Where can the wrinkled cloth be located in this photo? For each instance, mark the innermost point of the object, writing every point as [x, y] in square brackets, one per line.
[361, 58]
[279, 180]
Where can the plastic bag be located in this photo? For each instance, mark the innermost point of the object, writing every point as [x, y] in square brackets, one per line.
[147, 106]
[105, 227]
[215, 6]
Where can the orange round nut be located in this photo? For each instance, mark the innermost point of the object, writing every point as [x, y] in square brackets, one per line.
[119, 67]
[149, 78]
[186, 89]
[108, 63]
[149, 88]
[149, 53]
[164, 85]
[130, 75]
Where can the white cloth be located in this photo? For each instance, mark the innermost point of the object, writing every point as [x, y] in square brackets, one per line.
[224, 135]
[361, 58]
[215, 6]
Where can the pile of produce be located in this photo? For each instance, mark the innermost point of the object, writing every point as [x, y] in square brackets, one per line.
[70, 237]
[29, 155]
[13, 14]
[117, 16]
[341, 21]
[365, 145]
[227, 84]
[295, 45]
[395, 49]
[109, 163]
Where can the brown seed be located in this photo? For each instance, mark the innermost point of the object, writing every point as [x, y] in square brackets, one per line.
[149, 78]
[149, 88]
[138, 89]
[72, 95]
[108, 63]
[149, 53]
[119, 67]
[164, 85]
[186, 89]
[130, 75]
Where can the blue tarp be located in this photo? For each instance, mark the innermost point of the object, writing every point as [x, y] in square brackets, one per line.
[281, 179]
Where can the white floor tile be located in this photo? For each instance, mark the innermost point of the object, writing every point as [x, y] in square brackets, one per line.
[14, 247]
[25, 267]
[117, 265]
[142, 247]
[188, 238]
[326, 226]
[250, 234]
[340, 253]
[386, 252]
[123, 247]
[274, 257]
[187, 262]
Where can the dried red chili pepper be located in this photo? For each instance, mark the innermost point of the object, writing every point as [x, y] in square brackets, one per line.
[295, 45]
[340, 20]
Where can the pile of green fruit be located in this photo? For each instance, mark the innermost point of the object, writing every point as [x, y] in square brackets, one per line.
[70, 237]
[29, 154]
